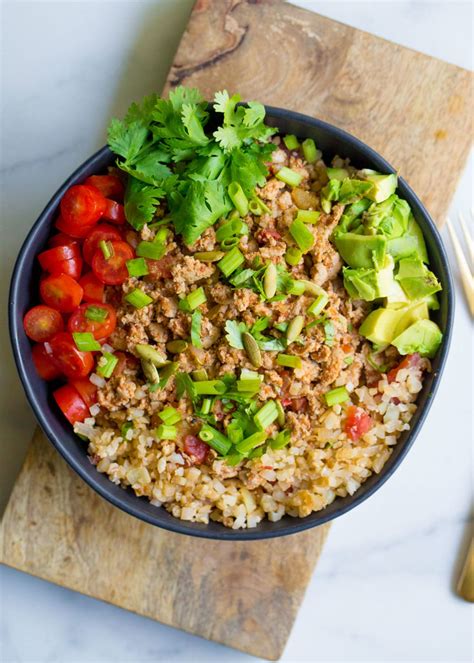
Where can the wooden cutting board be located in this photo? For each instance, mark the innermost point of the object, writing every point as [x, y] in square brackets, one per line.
[412, 108]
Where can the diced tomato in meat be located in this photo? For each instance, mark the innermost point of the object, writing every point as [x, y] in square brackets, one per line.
[196, 449]
[112, 271]
[64, 259]
[100, 329]
[295, 404]
[61, 239]
[358, 422]
[87, 391]
[114, 212]
[44, 365]
[408, 362]
[71, 404]
[61, 292]
[94, 290]
[159, 269]
[125, 360]
[68, 359]
[82, 206]
[110, 186]
[266, 234]
[42, 322]
[103, 231]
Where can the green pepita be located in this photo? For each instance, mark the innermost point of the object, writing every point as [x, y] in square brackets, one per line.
[270, 280]
[281, 413]
[177, 346]
[209, 256]
[294, 328]
[200, 375]
[311, 288]
[252, 349]
[145, 351]
[150, 371]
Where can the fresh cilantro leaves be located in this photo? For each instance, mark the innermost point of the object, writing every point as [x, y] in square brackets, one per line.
[269, 343]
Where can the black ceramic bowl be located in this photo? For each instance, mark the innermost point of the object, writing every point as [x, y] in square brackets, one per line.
[24, 294]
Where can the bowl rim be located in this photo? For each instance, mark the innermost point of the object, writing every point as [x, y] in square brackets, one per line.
[176, 525]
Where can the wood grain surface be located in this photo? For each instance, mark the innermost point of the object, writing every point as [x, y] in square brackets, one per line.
[415, 111]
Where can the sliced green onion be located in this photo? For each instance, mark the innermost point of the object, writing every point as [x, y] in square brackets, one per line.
[231, 261]
[107, 364]
[291, 142]
[290, 361]
[281, 440]
[137, 267]
[308, 215]
[251, 442]
[234, 432]
[165, 432]
[225, 230]
[266, 415]
[165, 373]
[170, 415]
[248, 385]
[319, 304]
[238, 198]
[246, 374]
[85, 341]
[196, 319]
[348, 360]
[302, 236]
[255, 208]
[209, 256]
[200, 375]
[229, 243]
[96, 313]
[293, 255]
[215, 439]
[335, 396]
[234, 459]
[107, 249]
[263, 208]
[256, 453]
[196, 298]
[288, 176]
[309, 150]
[329, 333]
[124, 428]
[210, 387]
[206, 406]
[281, 413]
[138, 298]
[161, 236]
[151, 250]
[296, 288]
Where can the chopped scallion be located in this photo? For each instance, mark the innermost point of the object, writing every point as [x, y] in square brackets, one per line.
[206, 406]
[238, 198]
[302, 235]
[152, 250]
[107, 249]
[234, 459]
[137, 267]
[138, 298]
[335, 396]
[231, 261]
[288, 176]
[210, 387]
[107, 364]
[319, 304]
[309, 150]
[348, 360]
[196, 298]
[96, 313]
[251, 442]
[215, 439]
[170, 415]
[85, 341]
[293, 255]
[308, 215]
[266, 415]
[290, 361]
[165, 432]
[248, 385]
[196, 329]
[280, 440]
[296, 288]
[291, 142]
[229, 242]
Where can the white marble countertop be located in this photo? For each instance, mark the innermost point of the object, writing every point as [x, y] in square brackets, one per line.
[383, 589]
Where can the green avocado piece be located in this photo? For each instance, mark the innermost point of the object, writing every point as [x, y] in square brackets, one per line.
[423, 336]
[380, 325]
[432, 302]
[411, 314]
[337, 173]
[360, 283]
[389, 218]
[384, 185]
[362, 250]
[351, 215]
[353, 190]
[411, 243]
[416, 279]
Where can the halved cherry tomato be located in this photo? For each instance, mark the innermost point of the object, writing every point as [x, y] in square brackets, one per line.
[71, 404]
[61, 239]
[114, 270]
[94, 290]
[77, 232]
[61, 292]
[42, 322]
[407, 362]
[44, 365]
[110, 186]
[79, 322]
[358, 422]
[87, 391]
[68, 359]
[159, 269]
[101, 232]
[65, 259]
[196, 449]
[114, 212]
[82, 206]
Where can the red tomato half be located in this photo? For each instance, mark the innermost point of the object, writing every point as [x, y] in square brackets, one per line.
[77, 232]
[65, 259]
[68, 359]
[43, 363]
[42, 322]
[357, 423]
[87, 391]
[101, 232]
[114, 212]
[82, 206]
[159, 269]
[110, 186]
[114, 270]
[61, 239]
[79, 322]
[61, 292]
[407, 362]
[94, 290]
[196, 449]
[71, 404]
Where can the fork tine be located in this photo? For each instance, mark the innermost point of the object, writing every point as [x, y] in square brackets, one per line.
[469, 242]
[466, 276]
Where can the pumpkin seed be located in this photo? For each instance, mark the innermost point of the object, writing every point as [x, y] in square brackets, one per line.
[270, 280]
[209, 256]
[294, 328]
[281, 413]
[150, 371]
[146, 351]
[199, 375]
[252, 349]
[311, 288]
[175, 347]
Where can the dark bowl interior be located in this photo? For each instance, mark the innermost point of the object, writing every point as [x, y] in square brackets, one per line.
[24, 293]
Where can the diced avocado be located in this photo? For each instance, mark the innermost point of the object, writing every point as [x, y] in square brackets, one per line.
[384, 185]
[395, 297]
[360, 283]
[411, 314]
[423, 336]
[353, 190]
[380, 325]
[410, 268]
[411, 243]
[389, 218]
[337, 173]
[416, 279]
[361, 250]
[351, 214]
[432, 301]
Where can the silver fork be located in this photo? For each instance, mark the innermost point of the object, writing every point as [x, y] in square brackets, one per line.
[464, 269]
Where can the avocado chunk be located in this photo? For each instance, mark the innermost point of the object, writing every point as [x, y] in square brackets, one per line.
[423, 336]
[353, 190]
[416, 279]
[360, 283]
[384, 185]
[380, 325]
[411, 243]
[389, 218]
[410, 314]
[337, 173]
[432, 302]
[361, 250]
